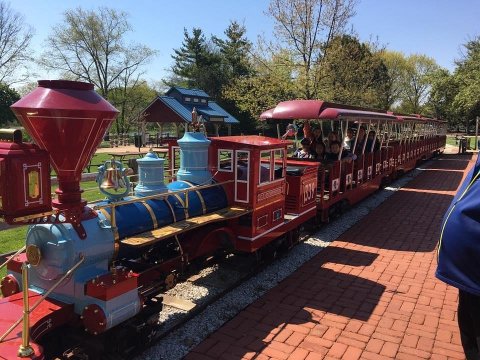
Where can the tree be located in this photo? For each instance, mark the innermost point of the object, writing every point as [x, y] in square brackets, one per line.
[270, 83]
[352, 74]
[235, 50]
[444, 89]
[191, 57]
[467, 77]
[235, 57]
[306, 27]
[416, 83]
[15, 38]
[396, 64]
[196, 65]
[130, 100]
[90, 46]
[8, 96]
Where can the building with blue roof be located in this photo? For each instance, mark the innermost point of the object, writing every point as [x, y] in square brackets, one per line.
[176, 107]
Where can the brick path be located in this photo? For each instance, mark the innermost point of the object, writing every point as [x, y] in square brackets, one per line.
[371, 294]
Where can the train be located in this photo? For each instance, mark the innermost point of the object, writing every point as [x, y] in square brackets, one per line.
[89, 269]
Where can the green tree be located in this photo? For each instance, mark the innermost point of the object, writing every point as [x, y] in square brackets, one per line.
[305, 28]
[444, 89]
[235, 50]
[467, 77]
[352, 74]
[271, 82]
[416, 83]
[396, 64]
[8, 96]
[130, 100]
[191, 57]
[197, 65]
[91, 46]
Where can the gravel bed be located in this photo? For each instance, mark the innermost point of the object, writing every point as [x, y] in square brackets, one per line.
[177, 344]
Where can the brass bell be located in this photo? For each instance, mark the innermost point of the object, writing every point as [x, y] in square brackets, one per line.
[113, 178]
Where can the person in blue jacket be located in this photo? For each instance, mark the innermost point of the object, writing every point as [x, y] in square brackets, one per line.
[459, 259]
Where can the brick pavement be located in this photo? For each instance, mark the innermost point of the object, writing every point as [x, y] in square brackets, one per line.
[371, 294]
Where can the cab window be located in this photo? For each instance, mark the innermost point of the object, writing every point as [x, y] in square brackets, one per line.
[265, 166]
[225, 159]
[271, 165]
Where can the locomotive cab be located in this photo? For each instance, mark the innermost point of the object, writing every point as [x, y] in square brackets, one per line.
[257, 167]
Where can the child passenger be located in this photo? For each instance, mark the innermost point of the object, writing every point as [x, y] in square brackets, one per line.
[304, 152]
[319, 151]
[332, 155]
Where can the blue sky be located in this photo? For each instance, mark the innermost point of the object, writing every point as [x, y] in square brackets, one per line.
[436, 28]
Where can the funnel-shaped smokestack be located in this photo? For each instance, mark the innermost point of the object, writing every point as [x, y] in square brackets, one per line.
[68, 119]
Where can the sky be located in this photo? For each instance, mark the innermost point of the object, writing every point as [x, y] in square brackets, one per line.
[436, 28]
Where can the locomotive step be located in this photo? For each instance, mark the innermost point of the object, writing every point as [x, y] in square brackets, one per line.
[150, 237]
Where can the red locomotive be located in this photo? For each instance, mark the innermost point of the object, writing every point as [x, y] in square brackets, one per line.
[93, 267]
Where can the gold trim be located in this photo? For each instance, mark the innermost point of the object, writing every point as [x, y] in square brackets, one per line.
[171, 209]
[152, 214]
[200, 196]
[35, 216]
[116, 235]
[183, 205]
[105, 213]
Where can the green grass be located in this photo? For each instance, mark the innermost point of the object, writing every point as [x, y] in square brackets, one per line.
[452, 141]
[12, 239]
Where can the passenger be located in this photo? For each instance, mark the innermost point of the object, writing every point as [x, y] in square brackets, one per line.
[332, 137]
[319, 151]
[314, 133]
[291, 131]
[332, 155]
[349, 140]
[371, 136]
[304, 152]
[360, 140]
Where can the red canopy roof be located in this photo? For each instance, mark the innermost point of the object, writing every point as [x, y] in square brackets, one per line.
[317, 109]
[295, 109]
[334, 114]
[417, 117]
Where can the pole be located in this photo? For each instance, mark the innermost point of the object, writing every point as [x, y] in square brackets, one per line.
[476, 132]
[25, 349]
